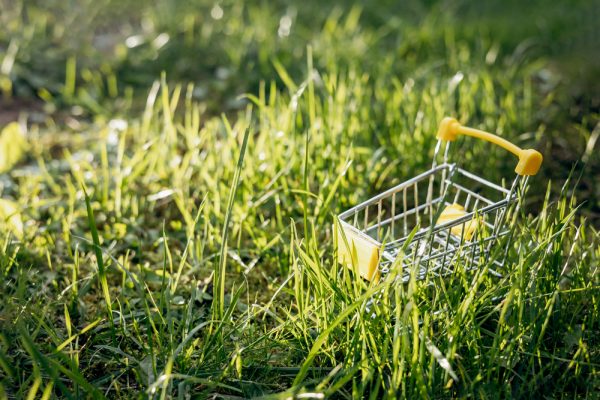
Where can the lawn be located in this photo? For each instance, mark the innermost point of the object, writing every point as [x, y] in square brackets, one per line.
[170, 173]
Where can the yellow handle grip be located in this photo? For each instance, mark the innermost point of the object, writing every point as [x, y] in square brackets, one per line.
[529, 160]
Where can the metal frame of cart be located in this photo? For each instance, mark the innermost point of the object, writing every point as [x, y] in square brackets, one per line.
[440, 220]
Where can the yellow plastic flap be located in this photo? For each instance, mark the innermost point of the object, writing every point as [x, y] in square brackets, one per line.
[359, 251]
[453, 212]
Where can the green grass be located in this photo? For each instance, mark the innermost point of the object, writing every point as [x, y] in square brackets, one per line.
[176, 234]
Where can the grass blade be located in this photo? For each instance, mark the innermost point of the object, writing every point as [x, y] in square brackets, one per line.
[220, 270]
[99, 260]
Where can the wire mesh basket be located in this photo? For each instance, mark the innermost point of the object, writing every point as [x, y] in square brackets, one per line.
[435, 222]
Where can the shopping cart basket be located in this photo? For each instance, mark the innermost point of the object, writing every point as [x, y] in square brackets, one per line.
[443, 219]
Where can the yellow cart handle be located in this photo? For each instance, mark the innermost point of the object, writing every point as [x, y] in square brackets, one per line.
[530, 160]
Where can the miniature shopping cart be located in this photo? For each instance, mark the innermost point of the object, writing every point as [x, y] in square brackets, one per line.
[441, 220]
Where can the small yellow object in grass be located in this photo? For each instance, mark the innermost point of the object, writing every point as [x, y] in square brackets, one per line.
[359, 252]
[10, 218]
[13, 146]
[453, 212]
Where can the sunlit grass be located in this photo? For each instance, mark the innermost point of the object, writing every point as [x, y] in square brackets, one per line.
[199, 258]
